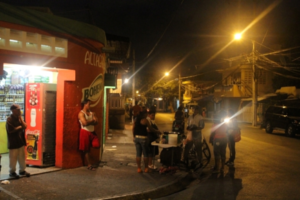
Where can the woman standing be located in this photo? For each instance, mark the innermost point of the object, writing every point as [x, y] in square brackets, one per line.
[152, 136]
[141, 140]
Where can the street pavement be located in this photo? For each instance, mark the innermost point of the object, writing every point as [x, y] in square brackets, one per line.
[266, 167]
[115, 178]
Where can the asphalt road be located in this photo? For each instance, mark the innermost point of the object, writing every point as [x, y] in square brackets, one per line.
[267, 166]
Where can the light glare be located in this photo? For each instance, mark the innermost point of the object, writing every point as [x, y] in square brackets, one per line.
[237, 36]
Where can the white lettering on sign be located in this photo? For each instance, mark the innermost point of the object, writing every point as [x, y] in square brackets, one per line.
[34, 132]
[94, 59]
[94, 91]
[32, 87]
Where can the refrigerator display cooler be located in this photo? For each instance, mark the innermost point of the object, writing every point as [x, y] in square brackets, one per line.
[40, 116]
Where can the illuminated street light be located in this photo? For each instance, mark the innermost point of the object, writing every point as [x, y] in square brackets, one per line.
[126, 80]
[137, 91]
[237, 36]
[167, 74]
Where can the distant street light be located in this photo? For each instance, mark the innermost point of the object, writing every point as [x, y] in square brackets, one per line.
[137, 91]
[238, 36]
[167, 74]
[126, 80]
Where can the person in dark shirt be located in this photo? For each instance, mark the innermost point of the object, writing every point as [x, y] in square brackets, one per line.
[15, 128]
[140, 135]
[179, 115]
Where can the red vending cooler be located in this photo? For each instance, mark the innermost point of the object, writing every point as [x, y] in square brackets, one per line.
[40, 116]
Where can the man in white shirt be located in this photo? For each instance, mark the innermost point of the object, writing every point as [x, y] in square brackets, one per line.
[195, 124]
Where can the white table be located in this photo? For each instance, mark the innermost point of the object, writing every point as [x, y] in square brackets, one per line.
[154, 143]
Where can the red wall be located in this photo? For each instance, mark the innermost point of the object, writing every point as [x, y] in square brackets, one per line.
[68, 126]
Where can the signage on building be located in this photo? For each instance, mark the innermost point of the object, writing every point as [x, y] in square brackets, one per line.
[94, 59]
[94, 91]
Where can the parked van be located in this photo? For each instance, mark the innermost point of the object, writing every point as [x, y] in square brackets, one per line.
[282, 117]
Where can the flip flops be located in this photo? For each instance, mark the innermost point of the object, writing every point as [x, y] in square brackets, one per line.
[91, 168]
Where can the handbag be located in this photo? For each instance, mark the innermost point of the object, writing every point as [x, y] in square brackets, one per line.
[211, 137]
[94, 140]
[235, 133]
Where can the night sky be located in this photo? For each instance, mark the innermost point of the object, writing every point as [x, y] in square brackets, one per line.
[198, 28]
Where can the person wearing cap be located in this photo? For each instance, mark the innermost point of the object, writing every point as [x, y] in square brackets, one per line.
[87, 138]
[15, 128]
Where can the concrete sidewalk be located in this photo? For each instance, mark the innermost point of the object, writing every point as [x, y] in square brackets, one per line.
[116, 178]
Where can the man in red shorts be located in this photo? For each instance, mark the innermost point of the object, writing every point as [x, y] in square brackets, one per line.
[87, 137]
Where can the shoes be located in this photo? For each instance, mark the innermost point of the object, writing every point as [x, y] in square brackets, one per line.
[14, 175]
[91, 168]
[229, 163]
[146, 170]
[24, 173]
[152, 167]
[139, 170]
[215, 170]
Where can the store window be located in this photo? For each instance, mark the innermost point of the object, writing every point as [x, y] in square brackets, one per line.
[13, 82]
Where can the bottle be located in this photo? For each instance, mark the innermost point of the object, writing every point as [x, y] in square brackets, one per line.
[33, 117]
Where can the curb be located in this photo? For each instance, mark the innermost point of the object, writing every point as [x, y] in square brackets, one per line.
[165, 190]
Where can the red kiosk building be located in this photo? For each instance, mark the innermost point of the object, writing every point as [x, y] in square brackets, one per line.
[49, 64]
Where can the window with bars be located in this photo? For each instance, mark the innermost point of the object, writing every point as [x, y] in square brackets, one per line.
[248, 77]
[261, 75]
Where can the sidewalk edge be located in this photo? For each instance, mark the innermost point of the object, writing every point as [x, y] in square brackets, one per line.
[161, 191]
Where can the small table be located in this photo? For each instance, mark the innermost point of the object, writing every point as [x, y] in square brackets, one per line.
[154, 143]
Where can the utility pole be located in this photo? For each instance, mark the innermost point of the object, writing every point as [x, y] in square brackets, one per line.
[179, 88]
[254, 87]
[133, 78]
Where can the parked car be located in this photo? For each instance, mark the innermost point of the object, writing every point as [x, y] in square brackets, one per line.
[282, 117]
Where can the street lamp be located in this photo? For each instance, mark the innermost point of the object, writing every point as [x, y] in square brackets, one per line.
[238, 36]
[126, 80]
[179, 83]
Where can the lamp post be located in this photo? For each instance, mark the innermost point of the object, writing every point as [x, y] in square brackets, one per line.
[238, 36]
[133, 78]
[179, 88]
[254, 87]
